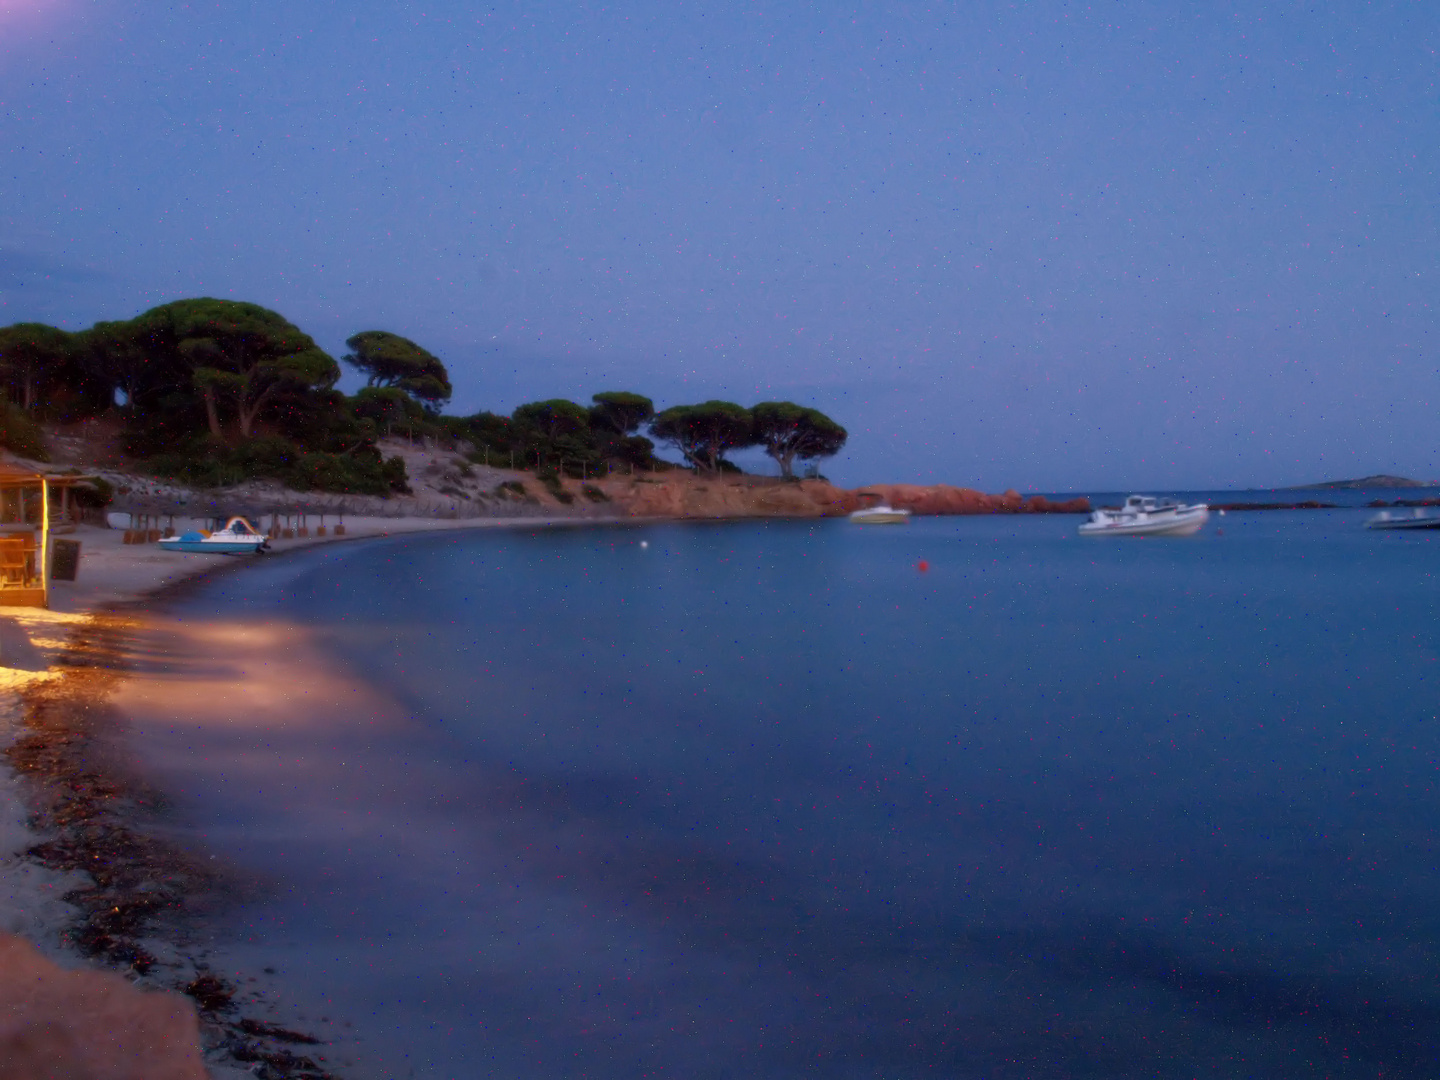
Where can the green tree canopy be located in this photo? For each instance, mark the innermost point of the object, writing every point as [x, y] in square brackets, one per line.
[384, 405]
[619, 412]
[554, 418]
[33, 359]
[389, 360]
[703, 433]
[125, 357]
[491, 431]
[239, 356]
[788, 431]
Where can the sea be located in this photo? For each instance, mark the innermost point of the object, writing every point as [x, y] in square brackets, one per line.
[970, 797]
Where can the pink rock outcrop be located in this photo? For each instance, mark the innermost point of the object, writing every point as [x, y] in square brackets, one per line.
[685, 495]
[945, 499]
[89, 1025]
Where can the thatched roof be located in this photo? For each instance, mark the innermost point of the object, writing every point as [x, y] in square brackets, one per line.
[13, 476]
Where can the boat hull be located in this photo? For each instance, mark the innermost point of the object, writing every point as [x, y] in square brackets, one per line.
[239, 537]
[1418, 521]
[880, 517]
[214, 547]
[1185, 522]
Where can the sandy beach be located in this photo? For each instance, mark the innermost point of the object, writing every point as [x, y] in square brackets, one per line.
[77, 881]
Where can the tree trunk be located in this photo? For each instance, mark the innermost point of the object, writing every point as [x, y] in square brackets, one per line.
[212, 414]
[787, 463]
[248, 416]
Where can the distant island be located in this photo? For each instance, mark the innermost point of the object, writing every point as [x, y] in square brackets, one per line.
[1363, 483]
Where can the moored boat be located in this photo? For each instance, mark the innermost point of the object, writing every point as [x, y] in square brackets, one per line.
[1417, 519]
[238, 537]
[1144, 515]
[884, 514]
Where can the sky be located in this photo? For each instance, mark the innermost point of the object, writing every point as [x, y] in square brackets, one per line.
[1046, 246]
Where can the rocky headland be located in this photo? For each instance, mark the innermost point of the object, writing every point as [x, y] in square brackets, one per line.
[445, 483]
[681, 494]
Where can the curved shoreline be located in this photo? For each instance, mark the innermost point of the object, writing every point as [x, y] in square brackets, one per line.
[116, 897]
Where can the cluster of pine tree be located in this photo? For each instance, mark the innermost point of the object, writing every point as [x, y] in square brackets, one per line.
[214, 392]
[577, 440]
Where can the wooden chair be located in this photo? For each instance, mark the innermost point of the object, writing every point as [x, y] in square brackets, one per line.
[13, 562]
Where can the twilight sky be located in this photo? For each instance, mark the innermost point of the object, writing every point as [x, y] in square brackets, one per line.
[1050, 246]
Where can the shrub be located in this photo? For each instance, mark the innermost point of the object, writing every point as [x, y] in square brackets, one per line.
[268, 455]
[393, 472]
[636, 451]
[551, 479]
[199, 472]
[580, 468]
[205, 462]
[21, 435]
[332, 472]
[593, 493]
[93, 494]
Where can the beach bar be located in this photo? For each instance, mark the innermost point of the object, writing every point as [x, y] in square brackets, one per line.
[24, 538]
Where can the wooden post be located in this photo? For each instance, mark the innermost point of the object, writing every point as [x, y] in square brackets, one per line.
[44, 552]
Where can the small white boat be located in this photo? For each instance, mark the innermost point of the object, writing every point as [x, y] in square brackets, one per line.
[238, 537]
[883, 514]
[1143, 515]
[1417, 519]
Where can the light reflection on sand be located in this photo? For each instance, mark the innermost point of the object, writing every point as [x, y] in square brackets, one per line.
[253, 675]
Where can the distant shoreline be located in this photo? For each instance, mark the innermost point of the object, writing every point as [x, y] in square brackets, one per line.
[1365, 483]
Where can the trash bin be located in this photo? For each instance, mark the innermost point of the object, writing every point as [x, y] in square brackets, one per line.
[64, 559]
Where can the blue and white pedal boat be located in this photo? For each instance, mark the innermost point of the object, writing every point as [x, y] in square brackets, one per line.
[238, 537]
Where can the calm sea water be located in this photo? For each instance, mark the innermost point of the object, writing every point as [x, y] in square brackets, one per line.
[771, 800]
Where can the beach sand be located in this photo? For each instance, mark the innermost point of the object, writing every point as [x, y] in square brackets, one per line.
[77, 881]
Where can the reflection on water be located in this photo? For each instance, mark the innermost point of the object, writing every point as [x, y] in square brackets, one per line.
[766, 800]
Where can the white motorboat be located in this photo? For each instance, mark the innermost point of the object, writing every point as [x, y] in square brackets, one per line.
[1417, 519]
[238, 537]
[1143, 515]
[883, 514]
